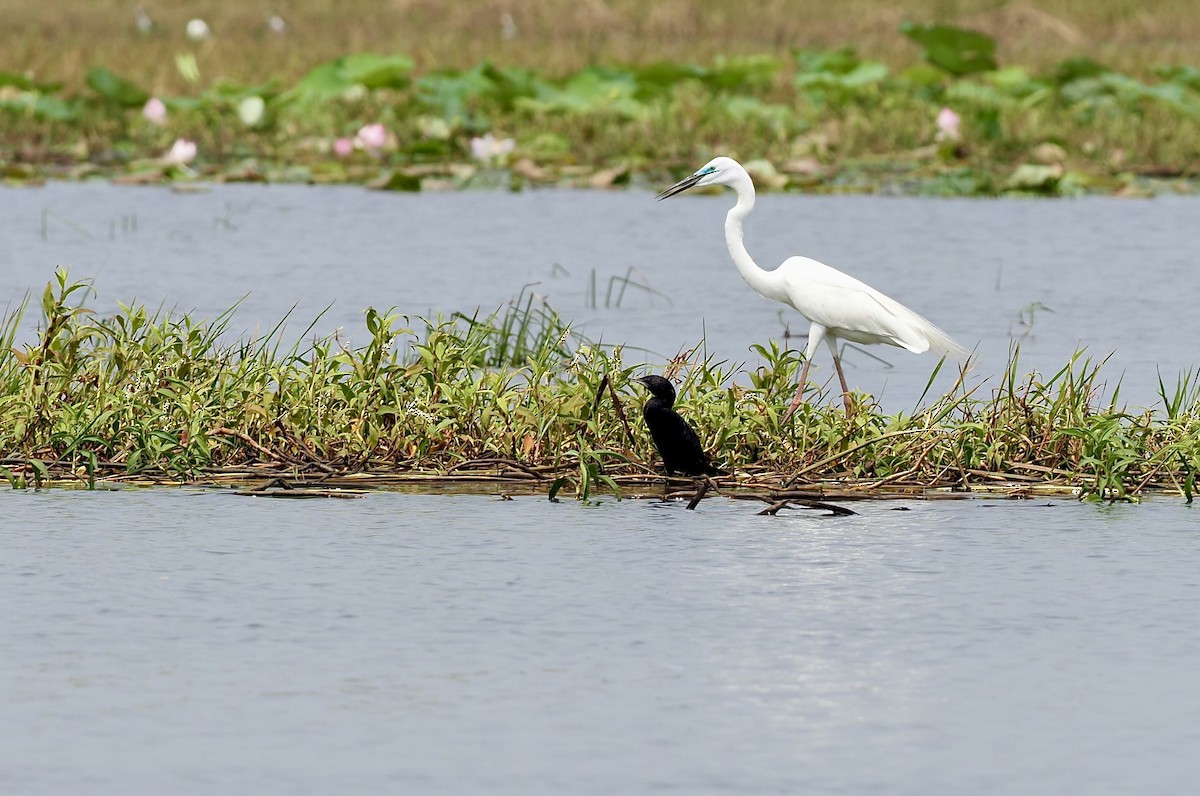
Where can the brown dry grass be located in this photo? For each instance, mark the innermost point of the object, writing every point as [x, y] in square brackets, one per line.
[59, 40]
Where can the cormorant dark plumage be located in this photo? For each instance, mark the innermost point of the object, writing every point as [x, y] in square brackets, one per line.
[676, 441]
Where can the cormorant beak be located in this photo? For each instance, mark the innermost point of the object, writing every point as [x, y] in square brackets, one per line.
[681, 186]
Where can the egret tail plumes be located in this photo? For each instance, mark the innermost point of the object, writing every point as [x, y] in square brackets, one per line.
[836, 305]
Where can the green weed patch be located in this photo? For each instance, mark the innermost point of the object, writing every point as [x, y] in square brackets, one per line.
[516, 400]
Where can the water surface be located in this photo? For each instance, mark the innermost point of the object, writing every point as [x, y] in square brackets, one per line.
[187, 641]
[1115, 273]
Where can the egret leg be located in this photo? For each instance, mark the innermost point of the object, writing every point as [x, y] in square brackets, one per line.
[799, 394]
[837, 363]
[816, 333]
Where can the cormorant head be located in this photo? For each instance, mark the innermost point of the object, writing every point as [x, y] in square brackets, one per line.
[659, 387]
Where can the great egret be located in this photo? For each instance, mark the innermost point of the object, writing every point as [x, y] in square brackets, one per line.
[676, 441]
[838, 306]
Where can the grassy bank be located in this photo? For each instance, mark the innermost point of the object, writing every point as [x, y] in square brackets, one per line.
[416, 95]
[61, 40]
[518, 401]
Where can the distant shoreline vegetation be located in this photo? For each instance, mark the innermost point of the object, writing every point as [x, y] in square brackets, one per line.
[518, 402]
[953, 122]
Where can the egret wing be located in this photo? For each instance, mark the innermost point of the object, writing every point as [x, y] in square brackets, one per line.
[853, 310]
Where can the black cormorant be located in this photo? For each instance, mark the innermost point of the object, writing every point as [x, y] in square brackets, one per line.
[676, 441]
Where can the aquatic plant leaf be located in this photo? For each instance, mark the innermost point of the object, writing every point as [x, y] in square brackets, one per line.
[740, 107]
[55, 109]
[865, 74]
[1015, 81]
[397, 181]
[1035, 177]
[510, 83]
[664, 75]
[336, 78]
[376, 71]
[188, 67]
[321, 83]
[837, 62]
[957, 50]
[1188, 76]
[1073, 69]
[923, 75]
[589, 91]
[838, 69]
[230, 91]
[1092, 86]
[742, 72]
[985, 96]
[43, 106]
[451, 93]
[116, 89]
[24, 83]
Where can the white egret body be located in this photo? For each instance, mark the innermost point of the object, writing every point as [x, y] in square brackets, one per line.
[838, 306]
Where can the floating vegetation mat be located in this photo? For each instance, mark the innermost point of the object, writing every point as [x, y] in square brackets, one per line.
[517, 402]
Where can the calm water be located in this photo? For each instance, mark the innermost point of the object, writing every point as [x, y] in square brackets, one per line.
[199, 642]
[1115, 273]
[187, 641]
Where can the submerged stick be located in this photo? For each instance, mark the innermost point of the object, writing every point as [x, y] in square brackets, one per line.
[612, 391]
[819, 505]
[695, 501]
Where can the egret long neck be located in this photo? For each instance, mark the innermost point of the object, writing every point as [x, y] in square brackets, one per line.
[763, 282]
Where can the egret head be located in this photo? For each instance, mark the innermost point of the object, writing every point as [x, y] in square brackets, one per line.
[658, 387]
[718, 171]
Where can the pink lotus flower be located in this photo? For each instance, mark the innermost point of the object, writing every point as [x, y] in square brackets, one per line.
[372, 137]
[487, 148]
[155, 111]
[342, 147]
[182, 153]
[947, 126]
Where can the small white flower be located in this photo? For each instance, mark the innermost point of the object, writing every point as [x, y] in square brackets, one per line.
[182, 153]
[155, 111]
[197, 30]
[947, 125]
[250, 110]
[487, 148]
[276, 24]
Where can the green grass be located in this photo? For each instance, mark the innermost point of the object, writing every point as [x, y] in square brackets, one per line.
[517, 397]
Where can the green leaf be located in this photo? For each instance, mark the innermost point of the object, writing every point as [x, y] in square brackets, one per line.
[115, 89]
[376, 71]
[957, 50]
[1073, 69]
[397, 181]
[664, 75]
[742, 72]
[336, 78]
[591, 90]
[23, 83]
[41, 473]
